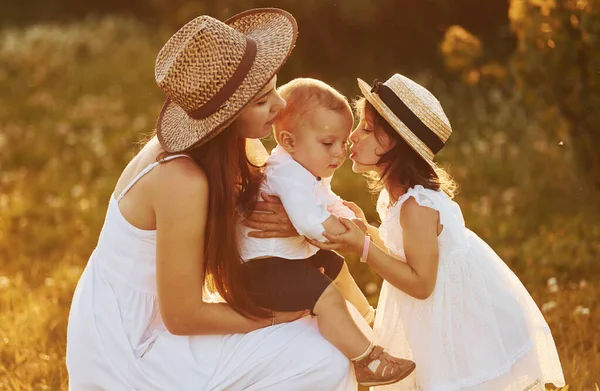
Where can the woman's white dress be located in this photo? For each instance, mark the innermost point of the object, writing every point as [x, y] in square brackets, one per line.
[117, 340]
[480, 330]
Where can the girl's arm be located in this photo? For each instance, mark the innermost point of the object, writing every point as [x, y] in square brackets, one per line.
[364, 224]
[417, 276]
[180, 206]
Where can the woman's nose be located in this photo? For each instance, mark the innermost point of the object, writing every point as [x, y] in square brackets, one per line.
[279, 103]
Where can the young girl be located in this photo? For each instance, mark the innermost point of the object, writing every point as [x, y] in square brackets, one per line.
[448, 301]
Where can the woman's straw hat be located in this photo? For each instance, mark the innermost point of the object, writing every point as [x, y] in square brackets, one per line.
[209, 70]
[412, 111]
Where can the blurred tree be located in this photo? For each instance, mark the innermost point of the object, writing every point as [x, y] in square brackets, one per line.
[554, 70]
[367, 39]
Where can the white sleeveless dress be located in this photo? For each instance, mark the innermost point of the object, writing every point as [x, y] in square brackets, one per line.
[116, 339]
[480, 330]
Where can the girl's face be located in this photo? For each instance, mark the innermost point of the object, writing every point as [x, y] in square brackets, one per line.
[256, 119]
[368, 144]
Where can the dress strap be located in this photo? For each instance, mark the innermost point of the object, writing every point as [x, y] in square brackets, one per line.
[145, 171]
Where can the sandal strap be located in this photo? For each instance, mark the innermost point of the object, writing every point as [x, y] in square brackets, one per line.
[375, 353]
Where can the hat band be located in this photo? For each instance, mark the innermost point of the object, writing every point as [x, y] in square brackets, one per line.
[410, 119]
[219, 99]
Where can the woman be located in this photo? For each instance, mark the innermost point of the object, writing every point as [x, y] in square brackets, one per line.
[139, 318]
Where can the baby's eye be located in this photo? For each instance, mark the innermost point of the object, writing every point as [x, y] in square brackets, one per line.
[261, 102]
[328, 144]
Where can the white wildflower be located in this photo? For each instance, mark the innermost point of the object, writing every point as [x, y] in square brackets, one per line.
[580, 310]
[548, 306]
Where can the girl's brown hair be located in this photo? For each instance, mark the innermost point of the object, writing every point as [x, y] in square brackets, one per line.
[403, 166]
[233, 182]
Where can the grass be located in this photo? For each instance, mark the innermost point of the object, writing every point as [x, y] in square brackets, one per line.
[74, 100]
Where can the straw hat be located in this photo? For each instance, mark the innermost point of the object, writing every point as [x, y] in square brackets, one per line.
[412, 111]
[209, 70]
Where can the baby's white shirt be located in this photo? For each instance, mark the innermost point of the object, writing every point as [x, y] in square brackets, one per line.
[308, 201]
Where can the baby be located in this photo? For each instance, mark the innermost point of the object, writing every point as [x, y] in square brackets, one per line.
[283, 274]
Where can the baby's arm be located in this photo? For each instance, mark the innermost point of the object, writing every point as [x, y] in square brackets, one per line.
[333, 225]
[338, 208]
[295, 187]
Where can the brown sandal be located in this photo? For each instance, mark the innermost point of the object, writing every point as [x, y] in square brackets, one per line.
[378, 368]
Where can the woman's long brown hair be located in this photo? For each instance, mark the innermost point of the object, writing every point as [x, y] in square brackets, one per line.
[403, 166]
[233, 182]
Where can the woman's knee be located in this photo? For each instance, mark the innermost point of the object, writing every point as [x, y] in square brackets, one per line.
[338, 368]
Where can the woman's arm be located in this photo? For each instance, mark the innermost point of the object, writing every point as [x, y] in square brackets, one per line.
[181, 205]
[270, 219]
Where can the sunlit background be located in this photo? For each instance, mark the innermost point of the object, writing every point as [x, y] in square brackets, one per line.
[519, 80]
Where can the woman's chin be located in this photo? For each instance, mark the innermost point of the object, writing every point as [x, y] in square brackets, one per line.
[267, 130]
[258, 134]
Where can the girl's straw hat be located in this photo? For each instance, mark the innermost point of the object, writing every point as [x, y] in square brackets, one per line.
[412, 111]
[209, 70]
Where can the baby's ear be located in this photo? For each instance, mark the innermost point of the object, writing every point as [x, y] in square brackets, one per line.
[287, 140]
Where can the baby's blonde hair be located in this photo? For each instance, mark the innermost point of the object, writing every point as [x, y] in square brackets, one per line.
[304, 95]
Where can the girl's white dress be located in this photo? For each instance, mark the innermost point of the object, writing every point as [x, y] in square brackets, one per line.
[117, 341]
[480, 330]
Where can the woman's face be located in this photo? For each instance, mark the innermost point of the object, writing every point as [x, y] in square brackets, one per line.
[256, 119]
[368, 144]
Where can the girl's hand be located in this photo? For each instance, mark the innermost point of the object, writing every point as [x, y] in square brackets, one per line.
[272, 224]
[351, 241]
[356, 209]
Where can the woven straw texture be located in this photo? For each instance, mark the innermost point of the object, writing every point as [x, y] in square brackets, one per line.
[202, 56]
[421, 102]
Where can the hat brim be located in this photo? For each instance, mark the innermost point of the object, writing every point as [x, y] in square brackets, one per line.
[275, 32]
[413, 141]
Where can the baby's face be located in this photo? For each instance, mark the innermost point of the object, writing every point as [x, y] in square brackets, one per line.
[320, 144]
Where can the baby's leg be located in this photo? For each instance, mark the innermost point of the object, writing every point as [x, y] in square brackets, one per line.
[292, 285]
[336, 323]
[337, 269]
[373, 367]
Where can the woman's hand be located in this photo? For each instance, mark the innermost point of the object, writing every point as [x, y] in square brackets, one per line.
[351, 241]
[356, 209]
[270, 219]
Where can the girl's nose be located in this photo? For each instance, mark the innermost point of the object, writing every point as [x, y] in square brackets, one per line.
[353, 137]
